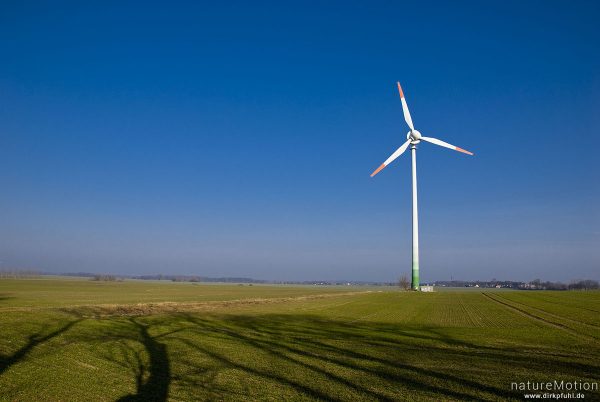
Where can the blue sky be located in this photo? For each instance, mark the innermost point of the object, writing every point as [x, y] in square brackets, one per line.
[238, 139]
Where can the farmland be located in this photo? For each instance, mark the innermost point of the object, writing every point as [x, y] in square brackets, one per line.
[74, 339]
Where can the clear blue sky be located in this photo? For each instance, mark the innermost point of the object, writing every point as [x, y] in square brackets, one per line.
[237, 140]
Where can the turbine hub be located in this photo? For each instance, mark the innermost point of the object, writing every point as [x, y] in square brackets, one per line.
[414, 136]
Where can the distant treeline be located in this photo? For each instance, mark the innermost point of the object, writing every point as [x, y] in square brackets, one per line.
[537, 284]
[195, 278]
[585, 284]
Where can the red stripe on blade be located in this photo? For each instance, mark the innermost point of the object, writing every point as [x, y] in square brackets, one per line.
[400, 90]
[378, 169]
[464, 151]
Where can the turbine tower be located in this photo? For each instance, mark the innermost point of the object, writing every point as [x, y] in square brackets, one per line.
[413, 138]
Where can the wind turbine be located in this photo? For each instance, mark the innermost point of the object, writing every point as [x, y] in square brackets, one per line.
[413, 138]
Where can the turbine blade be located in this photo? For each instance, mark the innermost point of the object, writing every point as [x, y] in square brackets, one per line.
[389, 160]
[407, 117]
[445, 144]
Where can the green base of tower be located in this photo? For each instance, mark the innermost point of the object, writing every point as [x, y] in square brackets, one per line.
[415, 277]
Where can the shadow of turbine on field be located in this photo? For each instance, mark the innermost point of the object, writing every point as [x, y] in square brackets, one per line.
[34, 340]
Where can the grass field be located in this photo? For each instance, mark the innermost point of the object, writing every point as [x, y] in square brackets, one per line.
[79, 340]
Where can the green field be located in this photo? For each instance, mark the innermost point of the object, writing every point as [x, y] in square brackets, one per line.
[78, 340]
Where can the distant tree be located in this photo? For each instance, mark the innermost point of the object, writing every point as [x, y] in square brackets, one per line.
[105, 278]
[403, 282]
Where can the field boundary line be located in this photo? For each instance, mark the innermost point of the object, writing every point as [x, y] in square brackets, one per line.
[540, 319]
[136, 309]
